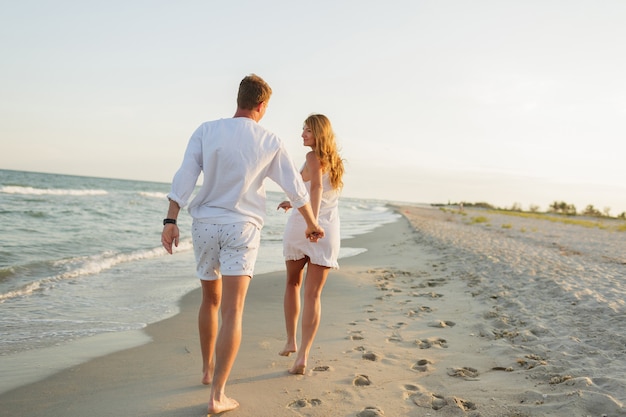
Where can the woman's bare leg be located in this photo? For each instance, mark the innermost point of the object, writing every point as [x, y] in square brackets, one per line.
[311, 315]
[207, 325]
[291, 303]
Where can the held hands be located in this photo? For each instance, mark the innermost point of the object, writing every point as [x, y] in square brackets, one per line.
[285, 205]
[169, 235]
[314, 233]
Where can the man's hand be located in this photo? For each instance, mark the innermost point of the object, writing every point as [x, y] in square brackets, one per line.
[169, 235]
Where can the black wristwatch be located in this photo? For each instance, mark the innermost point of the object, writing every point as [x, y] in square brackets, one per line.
[169, 221]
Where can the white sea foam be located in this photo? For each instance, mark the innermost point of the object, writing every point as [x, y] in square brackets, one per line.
[149, 194]
[14, 189]
[89, 265]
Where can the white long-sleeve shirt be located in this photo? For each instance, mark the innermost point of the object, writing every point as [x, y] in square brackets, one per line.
[235, 155]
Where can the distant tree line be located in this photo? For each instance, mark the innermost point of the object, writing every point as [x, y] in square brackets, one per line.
[570, 209]
[558, 207]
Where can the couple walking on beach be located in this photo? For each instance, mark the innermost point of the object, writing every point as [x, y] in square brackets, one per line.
[235, 156]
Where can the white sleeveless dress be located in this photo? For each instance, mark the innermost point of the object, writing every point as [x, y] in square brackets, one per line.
[325, 251]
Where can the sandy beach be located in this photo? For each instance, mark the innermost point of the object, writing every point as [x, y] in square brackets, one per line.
[440, 317]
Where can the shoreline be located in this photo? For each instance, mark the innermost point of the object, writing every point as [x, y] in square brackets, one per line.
[34, 365]
[403, 332]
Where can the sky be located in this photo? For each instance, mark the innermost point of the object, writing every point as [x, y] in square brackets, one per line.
[432, 101]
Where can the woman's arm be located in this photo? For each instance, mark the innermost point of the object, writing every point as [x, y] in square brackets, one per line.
[314, 173]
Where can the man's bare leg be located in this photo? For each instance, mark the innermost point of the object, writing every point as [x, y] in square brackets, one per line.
[291, 304]
[208, 320]
[234, 290]
[311, 315]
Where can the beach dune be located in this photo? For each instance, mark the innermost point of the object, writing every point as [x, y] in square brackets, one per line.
[421, 324]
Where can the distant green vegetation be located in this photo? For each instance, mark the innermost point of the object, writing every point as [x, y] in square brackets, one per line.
[560, 212]
[553, 218]
[480, 219]
[557, 207]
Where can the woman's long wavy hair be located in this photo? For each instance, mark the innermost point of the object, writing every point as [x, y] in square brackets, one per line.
[326, 148]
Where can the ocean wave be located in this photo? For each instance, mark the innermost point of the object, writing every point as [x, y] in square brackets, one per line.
[89, 265]
[153, 194]
[6, 272]
[13, 189]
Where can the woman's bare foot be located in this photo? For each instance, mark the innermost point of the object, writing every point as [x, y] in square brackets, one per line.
[206, 378]
[298, 368]
[227, 404]
[288, 349]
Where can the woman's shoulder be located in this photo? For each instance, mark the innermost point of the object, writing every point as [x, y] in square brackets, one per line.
[312, 161]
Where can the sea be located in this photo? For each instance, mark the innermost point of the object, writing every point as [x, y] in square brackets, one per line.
[81, 262]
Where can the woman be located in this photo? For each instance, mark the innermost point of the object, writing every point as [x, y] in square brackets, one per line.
[322, 174]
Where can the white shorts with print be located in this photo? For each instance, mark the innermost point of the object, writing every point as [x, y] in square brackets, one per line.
[225, 249]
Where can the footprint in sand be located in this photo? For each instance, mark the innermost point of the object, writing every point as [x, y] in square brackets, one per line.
[463, 404]
[466, 373]
[355, 335]
[370, 356]
[431, 283]
[303, 403]
[442, 323]
[421, 365]
[427, 294]
[321, 368]
[361, 381]
[429, 400]
[410, 390]
[395, 337]
[428, 343]
[437, 401]
[381, 298]
[419, 311]
[370, 412]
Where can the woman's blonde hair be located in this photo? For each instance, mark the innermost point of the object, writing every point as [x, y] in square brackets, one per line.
[326, 148]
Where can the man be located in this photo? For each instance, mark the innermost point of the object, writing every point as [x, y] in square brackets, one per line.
[235, 156]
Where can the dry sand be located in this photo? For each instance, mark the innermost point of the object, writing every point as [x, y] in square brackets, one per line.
[408, 329]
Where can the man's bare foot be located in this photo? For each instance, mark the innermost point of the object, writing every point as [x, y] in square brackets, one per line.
[227, 404]
[288, 350]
